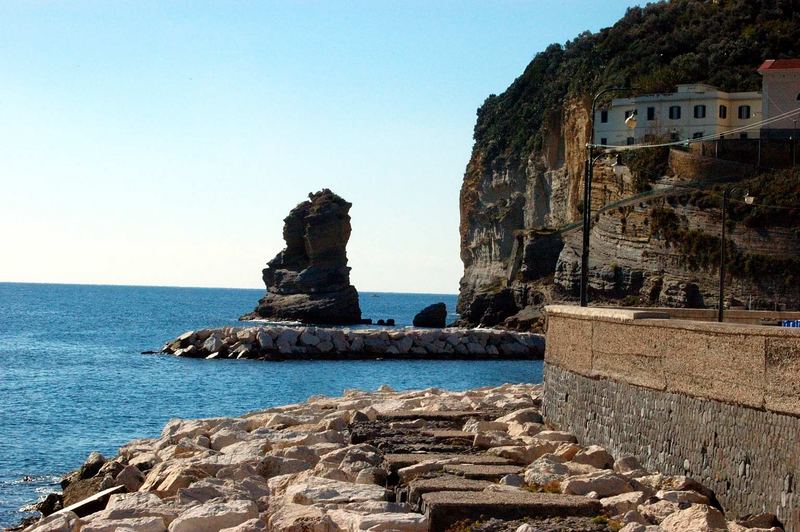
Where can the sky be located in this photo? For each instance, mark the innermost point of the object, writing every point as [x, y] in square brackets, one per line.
[163, 142]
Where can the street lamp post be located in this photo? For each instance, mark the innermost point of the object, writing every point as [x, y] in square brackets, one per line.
[748, 199]
[587, 193]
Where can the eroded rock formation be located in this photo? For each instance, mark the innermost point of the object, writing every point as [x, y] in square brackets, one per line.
[309, 281]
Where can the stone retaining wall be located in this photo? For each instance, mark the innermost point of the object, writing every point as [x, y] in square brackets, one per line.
[273, 342]
[717, 402]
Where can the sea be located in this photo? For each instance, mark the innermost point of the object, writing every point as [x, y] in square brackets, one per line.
[73, 379]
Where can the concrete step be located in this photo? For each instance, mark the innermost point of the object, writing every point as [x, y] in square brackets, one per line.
[454, 415]
[450, 434]
[444, 508]
[400, 460]
[416, 488]
[482, 471]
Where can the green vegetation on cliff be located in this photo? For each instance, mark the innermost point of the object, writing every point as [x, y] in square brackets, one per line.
[651, 48]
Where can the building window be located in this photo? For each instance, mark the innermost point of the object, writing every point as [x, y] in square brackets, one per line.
[697, 135]
[629, 141]
[744, 112]
[675, 112]
[743, 136]
[723, 111]
[604, 141]
[651, 113]
[700, 111]
[798, 97]
[604, 116]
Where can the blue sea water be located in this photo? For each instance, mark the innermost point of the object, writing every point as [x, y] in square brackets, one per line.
[72, 379]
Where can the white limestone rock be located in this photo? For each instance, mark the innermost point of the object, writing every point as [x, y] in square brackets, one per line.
[523, 415]
[384, 521]
[545, 470]
[621, 504]
[604, 483]
[225, 437]
[487, 440]
[317, 490]
[137, 524]
[61, 522]
[301, 518]
[696, 518]
[214, 515]
[557, 436]
[682, 496]
[657, 511]
[595, 456]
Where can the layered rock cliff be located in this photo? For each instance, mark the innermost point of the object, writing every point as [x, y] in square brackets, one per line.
[309, 281]
[523, 184]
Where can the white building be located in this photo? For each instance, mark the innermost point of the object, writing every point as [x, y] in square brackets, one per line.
[781, 94]
[695, 110]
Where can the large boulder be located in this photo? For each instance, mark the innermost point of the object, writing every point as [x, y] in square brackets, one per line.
[309, 281]
[432, 316]
[215, 515]
[696, 518]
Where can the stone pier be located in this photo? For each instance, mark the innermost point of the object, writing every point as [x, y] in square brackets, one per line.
[273, 342]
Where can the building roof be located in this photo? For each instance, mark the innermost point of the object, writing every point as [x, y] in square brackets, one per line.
[780, 64]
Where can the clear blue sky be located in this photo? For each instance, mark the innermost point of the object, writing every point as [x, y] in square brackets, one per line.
[164, 142]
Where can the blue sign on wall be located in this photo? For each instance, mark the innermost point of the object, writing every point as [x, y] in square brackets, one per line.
[790, 323]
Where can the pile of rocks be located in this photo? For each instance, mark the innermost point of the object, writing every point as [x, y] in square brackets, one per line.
[277, 343]
[410, 462]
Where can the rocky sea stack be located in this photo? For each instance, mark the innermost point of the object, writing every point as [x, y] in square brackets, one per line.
[309, 281]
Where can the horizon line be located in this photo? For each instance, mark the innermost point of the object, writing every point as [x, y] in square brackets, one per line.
[199, 287]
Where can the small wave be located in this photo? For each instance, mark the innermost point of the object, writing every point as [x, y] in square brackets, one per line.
[276, 322]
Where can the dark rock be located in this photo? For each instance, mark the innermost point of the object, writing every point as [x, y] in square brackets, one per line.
[527, 319]
[68, 479]
[381, 322]
[390, 322]
[81, 489]
[759, 521]
[91, 466]
[431, 316]
[50, 504]
[489, 308]
[309, 281]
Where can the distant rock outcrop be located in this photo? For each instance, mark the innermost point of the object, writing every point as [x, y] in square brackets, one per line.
[431, 316]
[309, 281]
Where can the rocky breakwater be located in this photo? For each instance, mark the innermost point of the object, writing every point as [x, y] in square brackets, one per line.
[309, 281]
[278, 343]
[401, 461]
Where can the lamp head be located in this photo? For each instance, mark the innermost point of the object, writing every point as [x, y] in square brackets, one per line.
[618, 167]
[631, 120]
[748, 199]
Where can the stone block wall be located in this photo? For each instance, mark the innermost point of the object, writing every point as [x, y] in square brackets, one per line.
[717, 402]
[694, 165]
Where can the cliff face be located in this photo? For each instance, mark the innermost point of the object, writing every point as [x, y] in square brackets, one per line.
[504, 204]
[523, 183]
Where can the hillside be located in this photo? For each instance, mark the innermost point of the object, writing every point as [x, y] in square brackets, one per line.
[524, 177]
